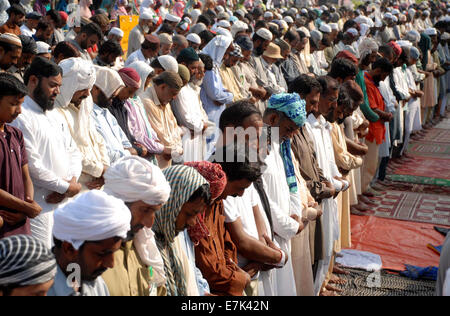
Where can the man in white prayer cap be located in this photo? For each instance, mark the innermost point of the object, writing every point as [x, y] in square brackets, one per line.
[87, 232]
[172, 20]
[115, 34]
[194, 41]
[144, 189]
[74, 105]
[138, 33]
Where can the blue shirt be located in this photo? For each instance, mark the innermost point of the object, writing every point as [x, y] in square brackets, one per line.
[115, 139]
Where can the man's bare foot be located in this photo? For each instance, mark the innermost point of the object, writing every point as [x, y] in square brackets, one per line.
[338, 270]
[332, 288]
[337, 280]
[328, 293]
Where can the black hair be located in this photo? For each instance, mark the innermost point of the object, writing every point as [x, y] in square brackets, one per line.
[328, 83]
[92, 29]
[156, 64]
[304, 84]
[166, 28]
[28, 44]
[236, 113]
[260, 24]
[207, 60]
[342, 68]
[386, 50]
[344, 99]
[110, 47]
[16, 9]
[67, 49]
[291, 35]
[383, 64]
[301, 34]
[205, 19]
[11, 86]
[274, 30]
[206, 36]
[42, 67]
[54, 15]
[349, 24]
[43, 25]
[240, 167]
[202, 192]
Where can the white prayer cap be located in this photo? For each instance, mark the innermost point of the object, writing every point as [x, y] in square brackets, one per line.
[194, 38]
[146, 14]
[325, 28]
[168, 63]
[316, 36]
[268, 14]
[413, 36]
[334, 26]
[404, 43]
[78, 74]
[411, 12]
[395, 12]
[352, 31]
[237, 27]
[431, 31]
[388, 16]
[220, 9]
[304, 11]
[224, 32]
[324, 8]
[108, 80]
[195, 14]
[224, 23]
[304, 30]
[367, 47]
[172, 18]
[278, 16]
[265, 34]
[426, 12]
[116, 31]
[288, 19]
[43, 48]
[360, 19]
[445, 36]
[133, 179]
[240, 12]
[92, 216]
[395, 19]
[295, 10]
[11, 39]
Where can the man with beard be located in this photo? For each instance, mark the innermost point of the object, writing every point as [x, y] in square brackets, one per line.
[87, 233]
[189, 112]
[10, 50]
[320, 132]
[53, 157]
[16, 188]
[29, 51]
[16, 17]
[89, 36]
[144, 189]
[139, 31]
[75, 106]
[380, 71]
[147, 51]
[44, 32]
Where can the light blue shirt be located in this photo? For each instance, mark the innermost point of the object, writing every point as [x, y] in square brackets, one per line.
[115, 139]
[202, 284]
[60, 288]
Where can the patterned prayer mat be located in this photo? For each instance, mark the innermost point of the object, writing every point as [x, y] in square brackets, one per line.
[418, 184]
[423, 184]
[422, 167]
[437, 135]
[410, 206]
[363, 283]
[430, 149]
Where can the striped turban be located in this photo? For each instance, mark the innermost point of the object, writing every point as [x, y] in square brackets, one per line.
[184, 181]
[24, 260]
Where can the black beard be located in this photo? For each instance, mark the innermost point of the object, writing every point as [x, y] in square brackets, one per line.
[259, 51]
[39, 97]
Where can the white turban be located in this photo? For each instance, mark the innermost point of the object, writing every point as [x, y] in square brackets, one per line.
[108, 80]
[78, 74]
[237, 27]
[367, 47]
[92, 216]
[133, 179]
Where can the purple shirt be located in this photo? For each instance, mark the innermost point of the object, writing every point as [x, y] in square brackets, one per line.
[12, 157]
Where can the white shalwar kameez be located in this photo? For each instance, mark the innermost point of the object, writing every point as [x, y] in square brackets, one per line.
[320, 131]
[53, 160]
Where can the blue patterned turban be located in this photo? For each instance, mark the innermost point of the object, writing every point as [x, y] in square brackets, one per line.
[291, 105]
